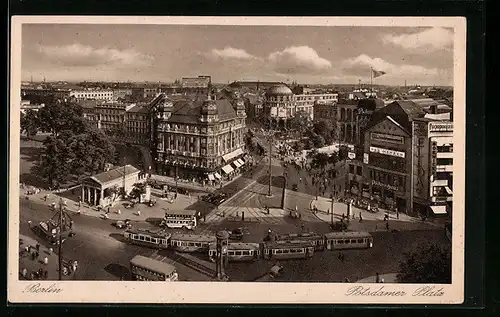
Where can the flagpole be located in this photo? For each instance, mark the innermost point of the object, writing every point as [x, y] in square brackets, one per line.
[371, 79]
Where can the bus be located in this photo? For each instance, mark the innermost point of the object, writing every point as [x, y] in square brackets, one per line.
[191, 242]
[348, 240]
[237, 251]
[317, 239]
[147, 269]
[180, 219]
[287, 250]
[158, 239]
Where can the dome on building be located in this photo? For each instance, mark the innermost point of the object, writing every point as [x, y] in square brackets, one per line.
[281, 89]
[209, 107]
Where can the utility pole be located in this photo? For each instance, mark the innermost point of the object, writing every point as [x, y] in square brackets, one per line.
[331, 216]
[62, 220]
[270, 168]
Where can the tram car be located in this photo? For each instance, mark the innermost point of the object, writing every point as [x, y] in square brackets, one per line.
[287, 250]
[348, 240]
[317, 239]
[152, 239]
[237, 251]
[191, 242]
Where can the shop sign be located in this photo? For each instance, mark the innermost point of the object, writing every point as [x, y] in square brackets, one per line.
[365, 158]
[387, 151]
[351, 155]
[386, 186]
[441, 127]
[387, 138]
[434, 158]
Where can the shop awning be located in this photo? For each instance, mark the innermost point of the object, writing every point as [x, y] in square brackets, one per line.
[227, 169]
[236, 163]
[211, 177]
[241, 161]
[439, 210]
[233, 154]
[217, 175]
[448, 190]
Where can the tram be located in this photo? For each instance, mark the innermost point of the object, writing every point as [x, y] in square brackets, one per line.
[191, 242]
[287, 250]
[348, 240]
[317, 240]
[158, 239]
[237, 251]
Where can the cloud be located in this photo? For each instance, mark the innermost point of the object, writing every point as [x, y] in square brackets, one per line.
[230, 53]
[88, 56]
[298, 60]
[361, 64]
[433, 38]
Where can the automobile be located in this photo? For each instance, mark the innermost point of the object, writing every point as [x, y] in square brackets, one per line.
[295, 187]
[236, 234]
[218, 198]
[123, 224]
[338, 226]
[129, 205]
[208, 198]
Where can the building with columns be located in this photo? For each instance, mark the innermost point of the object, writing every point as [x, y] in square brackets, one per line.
[347, 111]
[197, 139]
[102, 189]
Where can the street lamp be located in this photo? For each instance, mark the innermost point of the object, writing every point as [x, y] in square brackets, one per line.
[64, 221]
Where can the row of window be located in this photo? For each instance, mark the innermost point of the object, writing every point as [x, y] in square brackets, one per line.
[444, 161]
[285, 251]
[347, 241]
[190, 244]
[140, 237]
[352, 168]
[386, 178]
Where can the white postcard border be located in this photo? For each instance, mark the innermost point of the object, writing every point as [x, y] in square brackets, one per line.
[242, 293]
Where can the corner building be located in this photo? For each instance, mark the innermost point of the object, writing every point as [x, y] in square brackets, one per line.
[197, 138]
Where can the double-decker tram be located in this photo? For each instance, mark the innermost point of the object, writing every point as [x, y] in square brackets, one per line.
[348, 240]
[237, 251]
[147, 269]
[180, 219]
[191, 242]
[158, 239]
[287, 250]
[317, 240]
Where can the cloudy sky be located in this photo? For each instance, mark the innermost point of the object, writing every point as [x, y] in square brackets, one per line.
[227, 53]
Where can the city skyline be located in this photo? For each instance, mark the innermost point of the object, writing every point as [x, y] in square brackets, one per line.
[305, 54]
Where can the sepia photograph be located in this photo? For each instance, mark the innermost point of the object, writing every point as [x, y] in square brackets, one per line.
[237, 160]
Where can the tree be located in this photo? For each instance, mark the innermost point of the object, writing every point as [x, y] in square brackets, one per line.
[428, 264]
[318, 140]
[300, 121]
[323, 128]
[56, 161]
[138, 190]
[343, 152]
[320, 160]
[30, 123]
[59, 116]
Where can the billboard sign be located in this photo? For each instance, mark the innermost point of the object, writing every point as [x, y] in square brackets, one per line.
[366, 158]
[374, 149]
[441, 126]
[351, 155]
[387, 138]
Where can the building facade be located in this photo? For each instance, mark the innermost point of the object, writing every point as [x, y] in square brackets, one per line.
[98, 94]
[306, 102]
[325, 111]
[279, 103]
[347, 112]
[197, 138]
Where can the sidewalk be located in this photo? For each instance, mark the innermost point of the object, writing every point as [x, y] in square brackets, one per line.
[158, 211]
[170, 181]
[388, 278]
[33, 265]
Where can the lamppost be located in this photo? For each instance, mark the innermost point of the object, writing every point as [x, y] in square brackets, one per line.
[65, 223]
[270, 139]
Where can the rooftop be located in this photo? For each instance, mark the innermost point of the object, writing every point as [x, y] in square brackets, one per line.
[151, 264]
[113, 174]
[187, 111]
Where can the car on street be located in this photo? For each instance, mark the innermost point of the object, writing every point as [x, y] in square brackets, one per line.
[236, 234]
[123, 224]
[215, 199]
[295, 187]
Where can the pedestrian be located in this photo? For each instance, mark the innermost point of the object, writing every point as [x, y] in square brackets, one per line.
[46, 261]
[119, 212]
[37, 254]
[108, 210]
[45, 198]
[204, 218]
[24, 272]
[29, 223]
[377, 278]
[387, 225]
[45, 274]
[343, 216]
[381, 280]
[300, 179]
[138, 212]
[50, 251]
[37, 247]
[360, 218]
[397, 213]
[78, 212]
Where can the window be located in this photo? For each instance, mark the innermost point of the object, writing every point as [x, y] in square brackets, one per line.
[444, 161]
[340, 241]
[246, 252]
[347, 241]
[358, 170]
[360, 240]
[353, 241]
[351, 168]
[237, 252]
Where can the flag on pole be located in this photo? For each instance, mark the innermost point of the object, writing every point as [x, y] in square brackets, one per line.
[377, 73]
